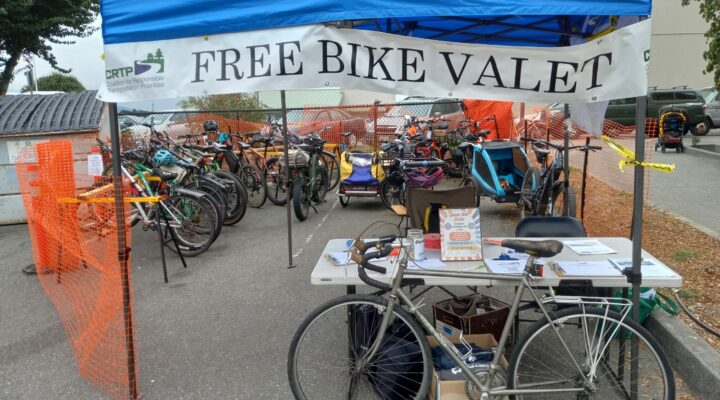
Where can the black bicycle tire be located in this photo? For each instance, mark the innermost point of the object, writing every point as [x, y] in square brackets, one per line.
[559, 188]
[383, 193]
[280, 198]
[215, 195]
[258, 183]
[324, 177]
[332, 182]
[190, 250]
[234, 214]
[526, 198]
[406, 317]
[564, 313]
[302, 211]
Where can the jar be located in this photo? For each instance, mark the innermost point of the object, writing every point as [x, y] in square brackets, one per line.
[416, 244]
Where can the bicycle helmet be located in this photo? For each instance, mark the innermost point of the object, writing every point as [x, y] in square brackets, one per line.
[163, 158]
[210, 125]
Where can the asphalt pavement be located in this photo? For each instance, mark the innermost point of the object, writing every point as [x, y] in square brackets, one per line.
[219, 330]
[693, 189]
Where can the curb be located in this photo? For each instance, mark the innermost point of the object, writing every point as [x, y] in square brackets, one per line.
[702, 153]
[690, 355]
[708, 231]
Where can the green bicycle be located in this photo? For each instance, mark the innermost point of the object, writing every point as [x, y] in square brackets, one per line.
[310, 178]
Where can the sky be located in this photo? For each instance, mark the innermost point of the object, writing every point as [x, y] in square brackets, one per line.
[84, 59]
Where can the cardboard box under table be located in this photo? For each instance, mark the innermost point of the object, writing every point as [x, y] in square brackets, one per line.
[473, 314]
[455, 389]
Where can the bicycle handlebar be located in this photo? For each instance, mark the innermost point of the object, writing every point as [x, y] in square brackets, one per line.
[362, 257]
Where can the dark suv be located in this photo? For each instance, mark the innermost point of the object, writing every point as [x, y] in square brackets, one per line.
[623, 110]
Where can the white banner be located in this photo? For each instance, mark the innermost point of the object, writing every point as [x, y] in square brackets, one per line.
[610, 67]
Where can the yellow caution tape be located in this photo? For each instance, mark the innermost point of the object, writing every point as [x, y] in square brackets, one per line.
[629, 157]
[149, 199]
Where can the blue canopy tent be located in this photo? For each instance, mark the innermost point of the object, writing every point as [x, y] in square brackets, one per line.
[528, 23]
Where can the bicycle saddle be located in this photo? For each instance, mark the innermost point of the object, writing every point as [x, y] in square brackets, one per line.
[542, 248]
[444, 126]
[483, 132]
[346, 134]
[245, 145]
[465, 145]
[470, 137]
[164, 176]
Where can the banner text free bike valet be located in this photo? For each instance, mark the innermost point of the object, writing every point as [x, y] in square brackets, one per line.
[610, 67]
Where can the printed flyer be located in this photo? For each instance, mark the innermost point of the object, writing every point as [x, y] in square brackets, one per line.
[460, 233]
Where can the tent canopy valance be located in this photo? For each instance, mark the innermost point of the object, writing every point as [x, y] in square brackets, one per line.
[503, 22]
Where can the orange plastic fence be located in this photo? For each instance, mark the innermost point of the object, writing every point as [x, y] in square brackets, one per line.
[77, 256]
[501, 110]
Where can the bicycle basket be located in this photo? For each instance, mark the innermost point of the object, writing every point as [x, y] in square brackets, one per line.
[296, 158]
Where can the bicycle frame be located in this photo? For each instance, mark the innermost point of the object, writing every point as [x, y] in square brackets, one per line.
[525, 281]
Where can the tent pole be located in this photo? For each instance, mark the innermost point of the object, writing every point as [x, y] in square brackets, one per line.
[123, 252]
[636, 276]
[566, 156]
[287, 178]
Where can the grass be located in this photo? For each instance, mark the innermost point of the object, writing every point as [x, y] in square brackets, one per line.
[684, 255]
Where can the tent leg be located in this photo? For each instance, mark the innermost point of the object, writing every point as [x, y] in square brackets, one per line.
[123, 252]
[287, 179]
[566, 163]
[636, 276]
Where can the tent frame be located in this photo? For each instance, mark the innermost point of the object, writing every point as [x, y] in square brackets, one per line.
[634, 276]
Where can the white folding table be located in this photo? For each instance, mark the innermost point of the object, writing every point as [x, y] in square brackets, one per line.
[326, 273]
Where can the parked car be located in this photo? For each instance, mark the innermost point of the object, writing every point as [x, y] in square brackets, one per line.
[126, 121]
[304, 122]
[394, 119]
[172, 123]
[712, 108]
[623, 110]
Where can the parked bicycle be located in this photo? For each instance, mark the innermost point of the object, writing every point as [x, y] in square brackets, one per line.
[376, 346]
[402, 174]
[544, 191]
[310, 180]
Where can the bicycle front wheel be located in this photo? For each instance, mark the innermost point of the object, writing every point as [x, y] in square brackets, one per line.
[592, 339]
[322, 363]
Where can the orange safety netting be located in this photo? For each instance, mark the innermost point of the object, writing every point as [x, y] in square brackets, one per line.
[550, 124]
[77, 249]
[476, 110]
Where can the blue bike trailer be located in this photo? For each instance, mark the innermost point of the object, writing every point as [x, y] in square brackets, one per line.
[498, 169]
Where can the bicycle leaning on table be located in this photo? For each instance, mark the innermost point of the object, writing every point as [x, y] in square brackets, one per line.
[581, 350]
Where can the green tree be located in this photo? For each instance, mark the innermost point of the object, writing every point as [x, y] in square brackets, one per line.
[225, 102]
[710, 11]
[31, 26]
[158, 54]
[57, 81]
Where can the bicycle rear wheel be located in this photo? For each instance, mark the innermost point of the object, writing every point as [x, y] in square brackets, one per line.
[333, 168]
[324, 352]
[193, 222]
[276, 182]
[255, 184]
[540, 360]
[237, 197]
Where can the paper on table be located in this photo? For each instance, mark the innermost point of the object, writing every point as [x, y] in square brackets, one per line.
[588, 247]
[506, 266]
[648, 267]
[587, 268]
[428, 263]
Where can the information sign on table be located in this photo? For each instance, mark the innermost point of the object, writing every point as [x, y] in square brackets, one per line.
[461, 239]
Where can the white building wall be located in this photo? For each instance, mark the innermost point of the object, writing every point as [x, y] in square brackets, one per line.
[677, 46]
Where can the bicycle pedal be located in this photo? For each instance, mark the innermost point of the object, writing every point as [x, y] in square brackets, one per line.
[314, 209]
